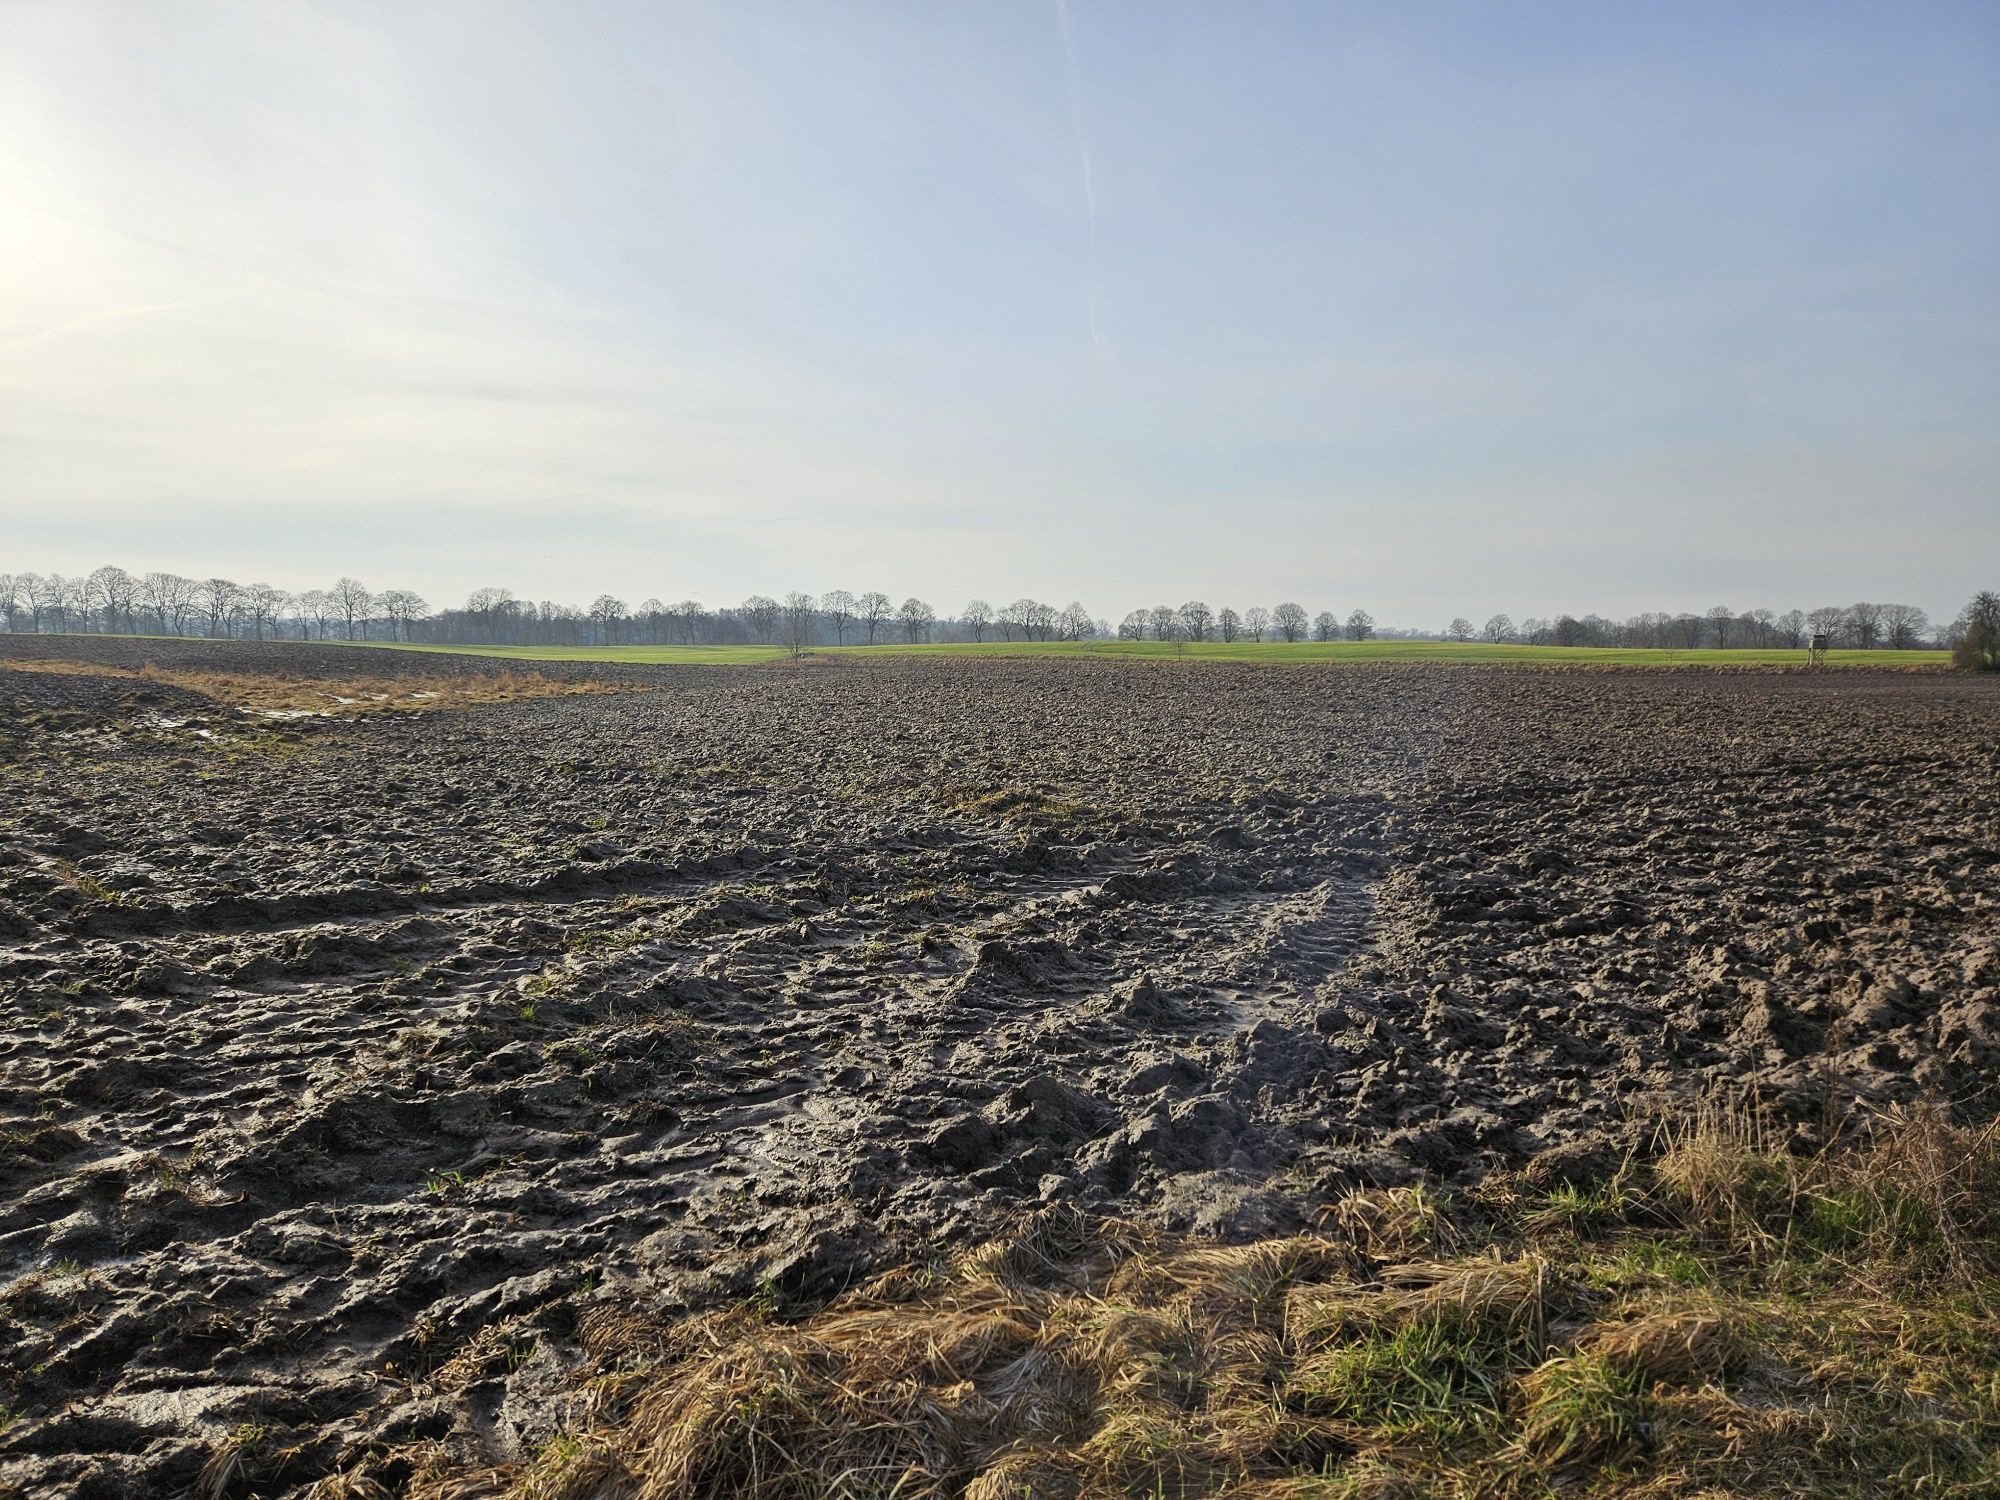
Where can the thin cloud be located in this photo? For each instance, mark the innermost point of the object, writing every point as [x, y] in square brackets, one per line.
[1083, 157]
[84, 321]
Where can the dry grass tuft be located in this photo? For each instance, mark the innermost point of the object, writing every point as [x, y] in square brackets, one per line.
[284, 693]
[229, 1461]
[348, 1486]
[1030, 810]
[1923, 1196]
[1724, 1178]
[1929, 1183]
[1675, 1347]
[1398, 1221]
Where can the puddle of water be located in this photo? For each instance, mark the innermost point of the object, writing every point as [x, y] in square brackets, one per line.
[160, 721]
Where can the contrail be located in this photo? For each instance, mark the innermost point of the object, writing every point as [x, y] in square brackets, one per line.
[1083, 156]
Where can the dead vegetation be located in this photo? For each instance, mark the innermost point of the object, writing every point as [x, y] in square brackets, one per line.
[1030, 810]
[282, 693]
[1745, 1322]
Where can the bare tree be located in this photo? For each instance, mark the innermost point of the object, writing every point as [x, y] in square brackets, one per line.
[1326, 626]
[1864, 625]
[1791, 628]
[10, 600]
[180, 601]
[1360, 625]
[53, 600]
[838, 607]
[1029, 617]
[43, 594]
[1720, 619]
[1075, 622]
[115, 589]
[88, 602]
[653, 617]
[267, 605]
[1195, 617]
[1228, 624]
[872, 610]
[917, 618]
[801, 611]
[34, 594]
[162, 593]
[760, 612]
[1904, 625]
[1829, 620]
[486, 609]
[1256, 620]
[318, 606]
[215, 598]
[1498, 629]
[1291, 621]
[1133, 626]
[80, 595]
[66, 598]
[111, 595]
[688, 617]
[605, 613]
[353, 601]
[1461, 630]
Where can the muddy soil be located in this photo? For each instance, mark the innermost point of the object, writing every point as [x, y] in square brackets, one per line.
[343, 1063]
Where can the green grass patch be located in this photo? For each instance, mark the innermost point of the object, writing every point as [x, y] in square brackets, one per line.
[1434, 1379]
[1272, 652]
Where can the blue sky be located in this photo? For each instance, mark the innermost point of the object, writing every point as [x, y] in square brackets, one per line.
[1432, 309]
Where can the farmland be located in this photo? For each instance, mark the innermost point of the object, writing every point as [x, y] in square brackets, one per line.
[1346, 1075]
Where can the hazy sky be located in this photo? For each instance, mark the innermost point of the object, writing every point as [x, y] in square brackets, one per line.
[1434, 309]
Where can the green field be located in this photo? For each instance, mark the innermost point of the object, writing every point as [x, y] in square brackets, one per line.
[1265, 651]
[1274, 652]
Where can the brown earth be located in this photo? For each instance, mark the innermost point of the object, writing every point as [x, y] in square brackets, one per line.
[347, 1063]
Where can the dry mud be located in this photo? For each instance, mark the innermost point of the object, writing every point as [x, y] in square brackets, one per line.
[345, 1062]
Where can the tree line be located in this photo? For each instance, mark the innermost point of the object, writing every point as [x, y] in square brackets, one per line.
[116, 602]
[111, 600]
[1195, 621]
[1864, 627]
